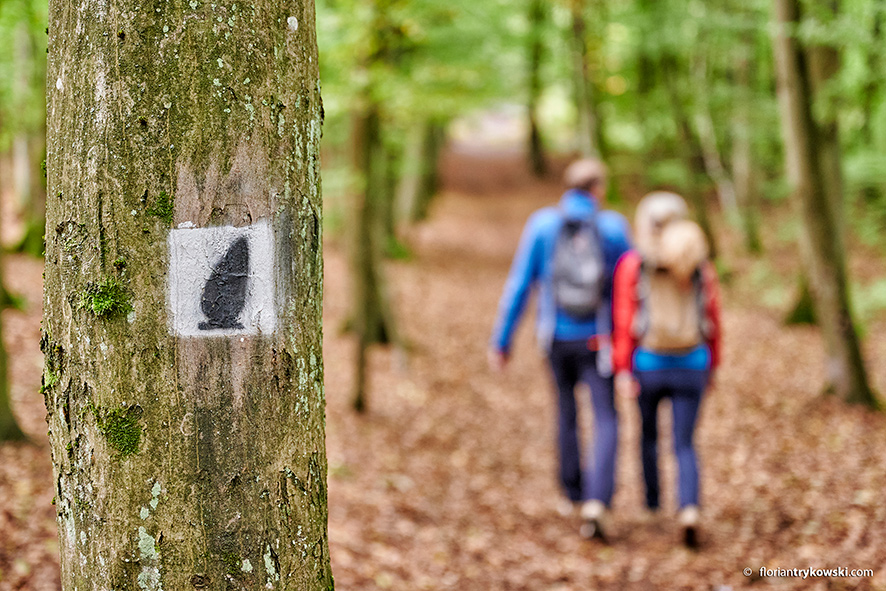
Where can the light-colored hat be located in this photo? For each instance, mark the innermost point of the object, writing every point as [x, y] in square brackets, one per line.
[584, 173]
[655, 211]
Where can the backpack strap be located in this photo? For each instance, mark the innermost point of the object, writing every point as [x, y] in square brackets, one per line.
[640, 323]
[705, 326]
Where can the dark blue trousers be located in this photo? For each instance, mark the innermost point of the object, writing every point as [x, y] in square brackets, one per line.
[572, 362]
[685, 388]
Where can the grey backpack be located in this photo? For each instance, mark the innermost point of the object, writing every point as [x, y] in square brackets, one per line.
[578, 268]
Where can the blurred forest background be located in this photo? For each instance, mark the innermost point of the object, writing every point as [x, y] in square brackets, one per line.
[446, 124]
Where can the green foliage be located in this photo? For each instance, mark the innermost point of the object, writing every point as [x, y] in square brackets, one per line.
[869, 300]
[22, 68]
[107, 299]
[163, 207]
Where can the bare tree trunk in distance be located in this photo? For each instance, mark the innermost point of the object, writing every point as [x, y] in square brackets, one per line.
[690, 150]
[372, 314]
[823, 257]
[183, 296]
[537, 162]
[588, 126]
[373, 317]
[419, 181]
[744, 173]
[9, 429]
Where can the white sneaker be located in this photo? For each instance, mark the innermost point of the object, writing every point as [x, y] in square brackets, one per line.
[593, 514]
[688, 518]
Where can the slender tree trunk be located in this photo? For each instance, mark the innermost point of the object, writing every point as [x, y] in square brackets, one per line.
[183, 296]
[744, 173]
[435, 139]
[373, 318]
[585, 96]
[873, 88]
[31, 192]
[9, 429]
[690, 149]
[537, 162]
[823, 66]
[823, 257]
[419, 180]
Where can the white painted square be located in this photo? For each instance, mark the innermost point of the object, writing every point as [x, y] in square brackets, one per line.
[193, 255]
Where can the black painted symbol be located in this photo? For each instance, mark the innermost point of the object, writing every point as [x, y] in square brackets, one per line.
[224, 294]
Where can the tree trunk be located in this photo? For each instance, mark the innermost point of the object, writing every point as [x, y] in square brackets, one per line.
[690, 150]
[9, 429]
[823, 66]
[373, 319]
[537, 163]
[710, 150]
[823, 257]
[182, 324]
[419, 180]
[31, 192]
[589, 136]
[744, 173]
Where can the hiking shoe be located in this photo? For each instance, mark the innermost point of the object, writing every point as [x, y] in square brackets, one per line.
[593, 515]
[688, 519]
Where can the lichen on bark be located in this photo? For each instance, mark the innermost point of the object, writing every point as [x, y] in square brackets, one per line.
[160, 116]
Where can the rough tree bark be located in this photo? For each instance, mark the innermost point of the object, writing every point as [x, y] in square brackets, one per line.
[820, 245]
[185, 462]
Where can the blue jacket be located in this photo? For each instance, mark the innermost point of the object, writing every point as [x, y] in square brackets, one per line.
[532, 266]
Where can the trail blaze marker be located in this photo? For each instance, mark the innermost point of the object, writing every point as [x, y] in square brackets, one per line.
[221, 281]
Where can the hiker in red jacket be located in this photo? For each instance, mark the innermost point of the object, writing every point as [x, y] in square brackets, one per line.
[666, 335]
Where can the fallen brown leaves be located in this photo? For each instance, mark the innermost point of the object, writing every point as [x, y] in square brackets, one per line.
[449, 481]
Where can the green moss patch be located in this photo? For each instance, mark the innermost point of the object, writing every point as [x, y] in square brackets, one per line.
[50, 379]
[163, 207]
[121, 430]
[108, 299]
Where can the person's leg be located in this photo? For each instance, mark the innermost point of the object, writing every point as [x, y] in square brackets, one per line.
[651, 393]
[565, 373]
[688, 387]
[600, 471]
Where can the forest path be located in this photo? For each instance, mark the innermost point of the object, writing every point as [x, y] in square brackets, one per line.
[449, 481]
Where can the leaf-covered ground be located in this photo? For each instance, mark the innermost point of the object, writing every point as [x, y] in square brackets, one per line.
[448, 481]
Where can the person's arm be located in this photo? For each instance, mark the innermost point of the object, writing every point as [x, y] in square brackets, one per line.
[525, 270]
[712, 312]
[624, 306]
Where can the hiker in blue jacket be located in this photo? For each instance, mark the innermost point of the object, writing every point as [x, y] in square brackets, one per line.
[577, 345]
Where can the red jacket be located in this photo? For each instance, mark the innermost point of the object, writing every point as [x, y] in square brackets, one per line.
[624, 307]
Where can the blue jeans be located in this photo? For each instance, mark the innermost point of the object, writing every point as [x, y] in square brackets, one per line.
[572, 362]
[685, 388]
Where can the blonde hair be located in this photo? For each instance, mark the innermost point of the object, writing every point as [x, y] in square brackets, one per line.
[654, 212]
[683, 249]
